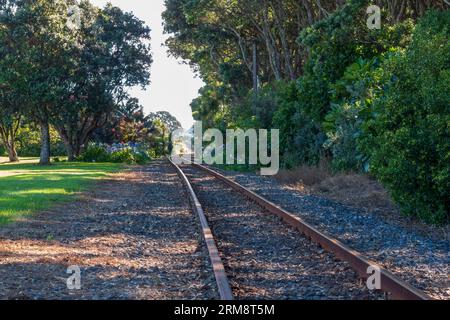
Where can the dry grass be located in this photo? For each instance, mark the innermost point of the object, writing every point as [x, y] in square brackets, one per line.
[357, 190]
[305, 176]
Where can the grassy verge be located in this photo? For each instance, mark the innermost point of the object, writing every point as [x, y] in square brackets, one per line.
[26, 188]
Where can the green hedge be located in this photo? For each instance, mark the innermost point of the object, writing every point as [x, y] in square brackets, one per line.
[408, 138]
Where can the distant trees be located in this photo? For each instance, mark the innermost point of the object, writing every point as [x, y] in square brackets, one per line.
[71, 76]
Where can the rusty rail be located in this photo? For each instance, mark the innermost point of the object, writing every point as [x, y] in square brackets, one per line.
[216, 262]
[390, 283]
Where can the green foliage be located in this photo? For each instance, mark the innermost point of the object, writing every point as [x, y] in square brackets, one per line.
[352, 99]
[28, 141]
[408, 136]
[301, 138]
[122, 154]
[129, 156]
[72, 78]
[95, 153]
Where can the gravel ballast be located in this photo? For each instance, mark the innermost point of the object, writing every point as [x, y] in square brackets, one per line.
[264, 258]
[133, 237]
[422, 261]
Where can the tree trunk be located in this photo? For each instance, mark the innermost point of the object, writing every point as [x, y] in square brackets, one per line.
[12, 153]
[255, 70]
[75, 141]
[280, 18]
[70, 150]
[70, 153]
[45, 144]
[8, 137]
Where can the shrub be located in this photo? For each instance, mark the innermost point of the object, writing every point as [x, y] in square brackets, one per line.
[130, 156]
[301, 137]
[123, 156]
[95, 153]
[141, 157]
[408, 137]
[117, 153]
[352, 98]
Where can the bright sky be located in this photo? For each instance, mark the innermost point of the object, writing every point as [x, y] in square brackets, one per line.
[173, 85]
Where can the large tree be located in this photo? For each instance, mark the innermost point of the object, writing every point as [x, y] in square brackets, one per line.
[11, 80]
[240, 45]
[40, 45]
[111, 55]
[75, 63]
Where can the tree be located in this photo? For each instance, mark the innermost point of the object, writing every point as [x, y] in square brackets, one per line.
[73, 77]
[163, 125]
[10, 116]
[166, 118]
[41, 40]
[112, 55]
[11, 82]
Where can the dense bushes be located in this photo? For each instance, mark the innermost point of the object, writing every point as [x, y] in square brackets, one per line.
[118, 153]
[95, 153]
[351, 103]
[360, 99]
[408, 138]
[386, 113]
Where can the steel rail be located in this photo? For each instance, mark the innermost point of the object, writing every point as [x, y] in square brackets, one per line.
[216, 262]
[390, 283]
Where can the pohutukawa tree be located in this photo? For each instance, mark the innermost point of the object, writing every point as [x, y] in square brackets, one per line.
[112, 53]
[72, 75]
[11, 81]
[39, 40]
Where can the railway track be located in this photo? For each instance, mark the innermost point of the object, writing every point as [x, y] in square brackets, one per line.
[251, 253]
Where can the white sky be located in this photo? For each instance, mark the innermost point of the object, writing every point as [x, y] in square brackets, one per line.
[173, 85]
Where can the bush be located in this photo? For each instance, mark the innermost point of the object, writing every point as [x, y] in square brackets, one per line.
[123, 156]
[352, 98]
[123, 153]
[95, 153]
[130, 156]
[408, 137]
[301, 137]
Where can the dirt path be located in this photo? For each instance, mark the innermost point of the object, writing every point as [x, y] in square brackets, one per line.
[133, 237]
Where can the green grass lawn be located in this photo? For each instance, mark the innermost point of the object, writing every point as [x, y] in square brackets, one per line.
[26, 188]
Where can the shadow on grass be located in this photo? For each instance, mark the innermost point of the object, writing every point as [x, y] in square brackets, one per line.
[124, 252]
[37, 188]
[60, 166]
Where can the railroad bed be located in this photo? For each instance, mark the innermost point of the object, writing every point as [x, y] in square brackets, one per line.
[417, 256]
[264, 258]
[133, 237]
[137, 236]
